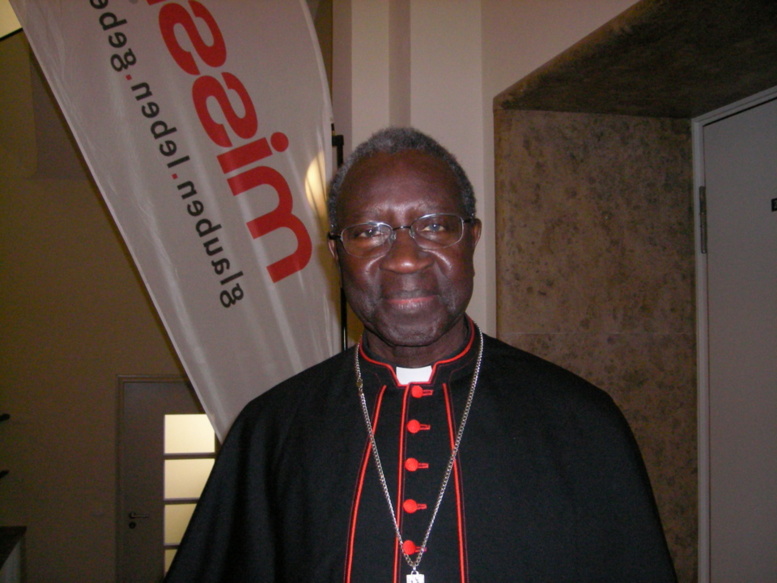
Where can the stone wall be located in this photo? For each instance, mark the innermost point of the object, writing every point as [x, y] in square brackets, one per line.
[595, 264]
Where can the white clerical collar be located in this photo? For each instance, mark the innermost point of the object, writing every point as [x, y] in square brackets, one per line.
[413, 375]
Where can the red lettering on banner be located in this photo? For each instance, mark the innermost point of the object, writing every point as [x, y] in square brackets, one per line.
[205, 87]
[245, 154]
[280, 217]
[172, 15]
[213, 53]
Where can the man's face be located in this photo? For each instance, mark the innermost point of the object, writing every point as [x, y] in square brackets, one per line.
[411, 300]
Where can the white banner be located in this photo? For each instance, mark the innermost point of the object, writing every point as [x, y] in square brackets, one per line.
[206, 126]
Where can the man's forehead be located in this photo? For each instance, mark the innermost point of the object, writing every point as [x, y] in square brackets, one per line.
[417, 159]
[383, 171]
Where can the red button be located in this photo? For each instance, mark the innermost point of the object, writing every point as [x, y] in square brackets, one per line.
[410, 506]
[418, 392]
[413, 426]
[412, 464]
[409, 547]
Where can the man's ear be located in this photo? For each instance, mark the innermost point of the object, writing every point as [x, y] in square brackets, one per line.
[336, 256]
[333, 250]
[475, 228]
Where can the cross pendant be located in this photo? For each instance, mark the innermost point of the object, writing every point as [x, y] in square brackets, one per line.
[415, 578]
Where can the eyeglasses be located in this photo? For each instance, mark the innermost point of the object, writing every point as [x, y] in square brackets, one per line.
[374, 239]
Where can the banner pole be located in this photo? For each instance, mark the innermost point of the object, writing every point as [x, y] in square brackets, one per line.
[338, 142]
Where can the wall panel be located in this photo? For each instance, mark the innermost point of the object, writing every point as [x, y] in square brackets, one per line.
[595, 264]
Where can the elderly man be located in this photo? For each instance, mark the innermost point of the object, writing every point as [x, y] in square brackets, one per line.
[429, 452]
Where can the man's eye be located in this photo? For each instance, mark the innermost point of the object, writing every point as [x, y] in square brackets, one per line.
[434, 228]
[366, 232]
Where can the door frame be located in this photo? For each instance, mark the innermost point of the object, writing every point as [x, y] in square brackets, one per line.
[702, 329]
[121, 381]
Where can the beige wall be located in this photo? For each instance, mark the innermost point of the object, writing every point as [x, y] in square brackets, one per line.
[74, 316]
[518, 36]
[74, 313]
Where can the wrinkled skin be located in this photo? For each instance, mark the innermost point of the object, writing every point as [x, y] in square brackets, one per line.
[411, 301]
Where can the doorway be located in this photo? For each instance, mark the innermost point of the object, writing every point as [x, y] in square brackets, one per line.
[737, 151]
[166, 451]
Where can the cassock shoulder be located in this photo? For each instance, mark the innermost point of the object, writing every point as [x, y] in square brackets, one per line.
[564, 444]
[527, 376]
[325, 382]
[535, 398]
[238, 528]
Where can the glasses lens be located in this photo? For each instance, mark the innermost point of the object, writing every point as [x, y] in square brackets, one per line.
[366, 239]
[437, 230]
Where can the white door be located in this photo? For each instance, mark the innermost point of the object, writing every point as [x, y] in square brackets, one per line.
[166, 451]
[740, 175]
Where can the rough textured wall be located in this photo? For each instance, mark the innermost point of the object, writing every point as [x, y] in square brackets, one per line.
[595, 264]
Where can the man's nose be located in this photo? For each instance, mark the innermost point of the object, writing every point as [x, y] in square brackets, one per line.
[405, 255]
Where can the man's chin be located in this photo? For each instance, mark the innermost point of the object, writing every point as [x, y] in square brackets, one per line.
[409, 331]
[406, 338]
[413, 333]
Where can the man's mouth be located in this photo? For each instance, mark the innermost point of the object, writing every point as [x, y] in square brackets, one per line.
[410, 299]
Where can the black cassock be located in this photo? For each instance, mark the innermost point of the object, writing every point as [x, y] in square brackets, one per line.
[549, 485]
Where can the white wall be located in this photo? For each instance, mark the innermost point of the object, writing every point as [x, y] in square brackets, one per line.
[437, 64]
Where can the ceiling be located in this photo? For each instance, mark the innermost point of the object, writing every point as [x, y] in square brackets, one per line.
[660, 58]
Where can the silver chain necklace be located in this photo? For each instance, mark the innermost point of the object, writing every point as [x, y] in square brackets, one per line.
[415, 576]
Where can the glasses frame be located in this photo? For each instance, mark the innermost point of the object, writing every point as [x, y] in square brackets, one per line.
[393, 236]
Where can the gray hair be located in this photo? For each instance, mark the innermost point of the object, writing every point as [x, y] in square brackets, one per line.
[392, 141]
